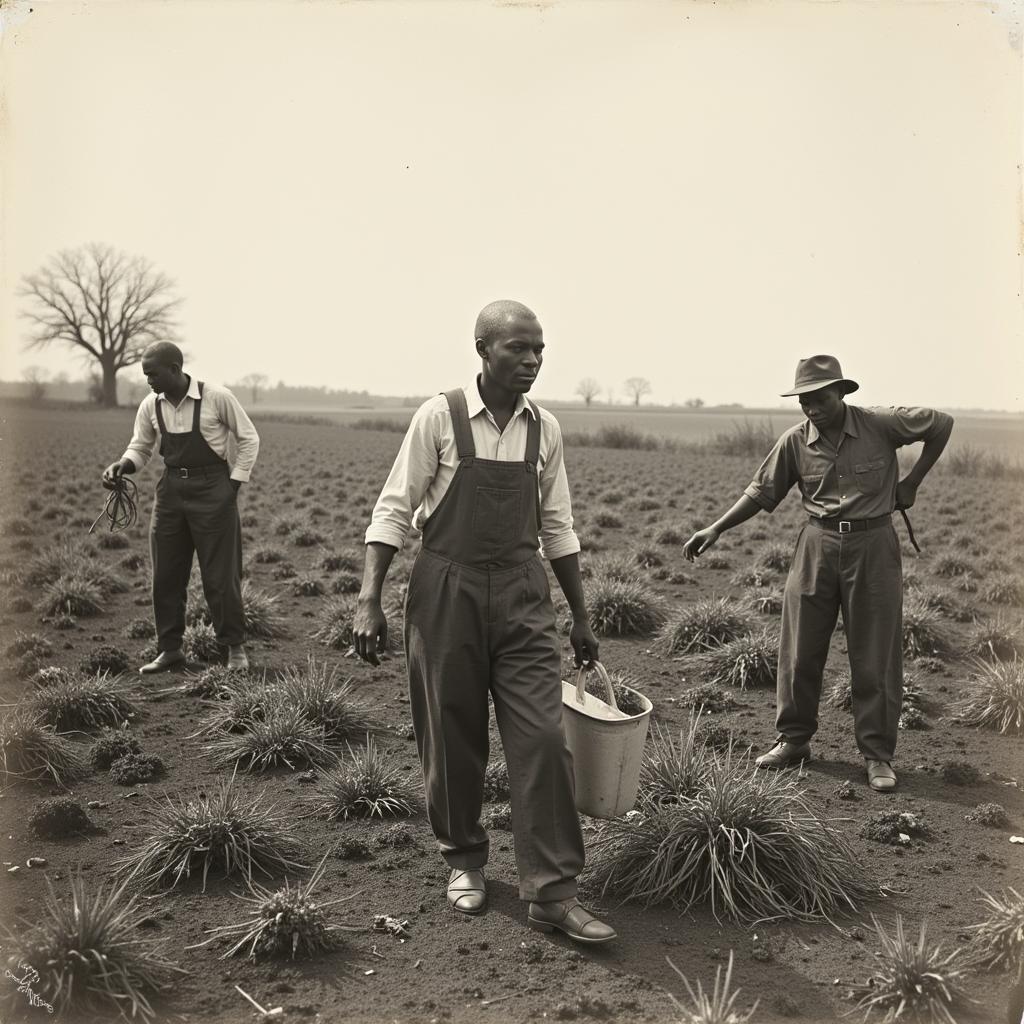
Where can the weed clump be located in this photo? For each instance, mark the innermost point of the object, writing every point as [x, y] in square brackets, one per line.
[133, 768]
[72, 595]
[996, 640]
[716, 1007]
[991, 815]
[105, 659]
[200, 642]
[960, 773]
[111, 745]
[59, 817]
[283, 735]
[708, 697]
[335, 623]
[1004, 589]
[896, 828]
[922, 629]
[317, 692]
[496, 785]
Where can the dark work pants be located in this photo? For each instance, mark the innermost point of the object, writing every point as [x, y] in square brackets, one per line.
[468, 631]
[200, 515]
[860, 573]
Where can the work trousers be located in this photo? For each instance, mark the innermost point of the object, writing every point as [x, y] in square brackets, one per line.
[469, 631]
[198, 515]
[861, 574]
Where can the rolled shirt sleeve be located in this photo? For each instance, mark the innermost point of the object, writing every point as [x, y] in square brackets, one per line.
[236, 419]
[776, 475]
[909, 424]
[414, 468]
[557, 536]
[144, 437]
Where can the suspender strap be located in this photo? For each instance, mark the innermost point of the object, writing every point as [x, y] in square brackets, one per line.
[195, 413]
[195, 410]
[533, 436]
[460, 423]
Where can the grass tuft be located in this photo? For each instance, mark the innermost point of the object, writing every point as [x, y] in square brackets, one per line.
[623, 607]
[82, 702]
[703, 625]
[72, 594]
[914, 977]
[718, 1007]
[367, 784]
[241, 832]
[284, 922]
[673, 771]
[750, 843]
[996, 639]
[998, 940]
[89, 957]
[922, 628]
[748, 661]
[327, 702]
[112, 744]
[31, 750]
[282, 735]
[995, 697]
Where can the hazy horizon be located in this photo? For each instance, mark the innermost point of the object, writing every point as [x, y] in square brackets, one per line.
[699, 194]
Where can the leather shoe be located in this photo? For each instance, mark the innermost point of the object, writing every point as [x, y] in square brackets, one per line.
[467, 890]
[784, 755]
[881, 777]
[162, 662]
[238, 660]
[570, 917]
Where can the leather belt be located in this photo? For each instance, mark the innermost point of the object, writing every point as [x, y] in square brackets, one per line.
[850, 525]
[184, 472]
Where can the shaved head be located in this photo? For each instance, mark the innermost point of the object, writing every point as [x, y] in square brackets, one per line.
[496, 318]
[164, 353]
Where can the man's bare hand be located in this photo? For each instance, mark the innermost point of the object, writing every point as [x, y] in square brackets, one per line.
[700, 542]
[370, 630]
[584, 644]
[906, 494]
[115, 471]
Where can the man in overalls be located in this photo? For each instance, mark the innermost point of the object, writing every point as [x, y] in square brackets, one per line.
[195, 509]
[481, 473]
[847, 557]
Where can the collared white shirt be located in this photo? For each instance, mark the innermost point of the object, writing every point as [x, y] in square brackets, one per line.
[220, 417]
[428, 458]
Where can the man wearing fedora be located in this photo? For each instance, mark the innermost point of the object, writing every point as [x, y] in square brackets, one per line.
[847, 556]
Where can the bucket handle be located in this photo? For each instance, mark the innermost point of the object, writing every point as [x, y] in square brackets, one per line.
[602, 674]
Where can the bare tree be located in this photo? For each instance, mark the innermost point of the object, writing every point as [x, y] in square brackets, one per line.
[694, 403]
[254, 381]
[35, 377]
[103, 302]
[588, 389]
[637, 387]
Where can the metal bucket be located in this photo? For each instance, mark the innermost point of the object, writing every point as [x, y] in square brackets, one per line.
[607, 746]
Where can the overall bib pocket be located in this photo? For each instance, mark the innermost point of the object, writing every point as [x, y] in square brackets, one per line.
[496, 515]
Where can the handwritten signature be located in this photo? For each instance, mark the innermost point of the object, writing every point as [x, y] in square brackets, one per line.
[30, 977]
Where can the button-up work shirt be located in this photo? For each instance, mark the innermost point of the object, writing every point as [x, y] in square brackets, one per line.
[220, 416]
[856, 481]
[428, 458]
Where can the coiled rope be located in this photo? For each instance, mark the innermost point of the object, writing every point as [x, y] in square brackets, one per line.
[120, 506]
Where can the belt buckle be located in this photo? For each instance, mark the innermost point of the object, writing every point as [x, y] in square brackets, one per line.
[183, 470]
[845, 526]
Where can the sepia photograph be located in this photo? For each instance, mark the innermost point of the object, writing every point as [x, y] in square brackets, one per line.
[512, 511]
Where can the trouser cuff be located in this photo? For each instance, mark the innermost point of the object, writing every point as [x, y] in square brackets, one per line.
[565, 890]
[466, 861]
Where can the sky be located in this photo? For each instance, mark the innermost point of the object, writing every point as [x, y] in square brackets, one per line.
[697, 193]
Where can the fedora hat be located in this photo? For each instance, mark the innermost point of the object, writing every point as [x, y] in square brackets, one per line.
[816, 372]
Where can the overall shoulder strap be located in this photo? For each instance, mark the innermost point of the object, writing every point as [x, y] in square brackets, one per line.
[160, 417]
[533, 435]
[195, 409]
[460, 423]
